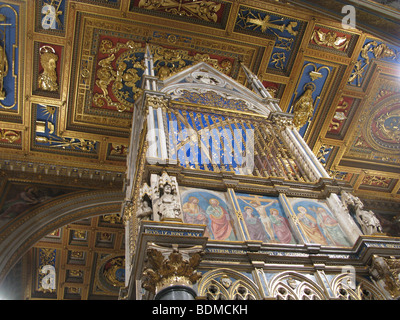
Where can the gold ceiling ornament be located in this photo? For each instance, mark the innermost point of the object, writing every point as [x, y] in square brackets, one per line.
[372, 180]
[122, 78]
[114, 271]
[304, 107]
[324, 150]
[358, 72]
[79, 144]
[278, 59]
[165, 270]
[368, 47]
[389, 124]
[380, 51]
[47, 80]
[11, 136]
[339, 115]
[204, 10]
[330, 39]
[382, 125]
[112, 218]
[315, 75]
[383, 51]
[266, 23]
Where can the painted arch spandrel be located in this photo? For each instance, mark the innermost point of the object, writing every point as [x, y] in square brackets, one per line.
[265, 219]
[317, 222]
[212, 209]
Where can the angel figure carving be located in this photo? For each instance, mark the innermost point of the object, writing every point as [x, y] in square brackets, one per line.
[330, 39]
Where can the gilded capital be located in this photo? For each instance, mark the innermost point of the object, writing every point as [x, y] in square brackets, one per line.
[167, 268]
[156, 101]
[386, 272]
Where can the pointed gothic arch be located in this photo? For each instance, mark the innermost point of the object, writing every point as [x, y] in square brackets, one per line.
[292, 285]
[237, 286]
[362, 289]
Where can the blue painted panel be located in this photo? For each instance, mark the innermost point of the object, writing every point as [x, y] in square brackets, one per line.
[318, 84]
[286, 31]
[9, 41]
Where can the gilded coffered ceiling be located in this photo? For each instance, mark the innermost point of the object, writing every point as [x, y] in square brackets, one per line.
[71, 72]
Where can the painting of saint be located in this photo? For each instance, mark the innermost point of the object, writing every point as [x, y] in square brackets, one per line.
[220, 221]
[265, 219]
[331, 228]
[193, 212]
[310, 226]
[318, 223]
[281, 227]
[254, 225]
[209, 208]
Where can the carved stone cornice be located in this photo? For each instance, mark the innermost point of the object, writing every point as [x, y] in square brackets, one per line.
[36, 171]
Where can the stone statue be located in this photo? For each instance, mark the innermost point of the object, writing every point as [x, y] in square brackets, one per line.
[3, 71]
[167, 206]
[48, 78]
[145, 210]
[303, 108]
[367, 220]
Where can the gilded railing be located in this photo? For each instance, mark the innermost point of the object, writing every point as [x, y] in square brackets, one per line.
[219, 140]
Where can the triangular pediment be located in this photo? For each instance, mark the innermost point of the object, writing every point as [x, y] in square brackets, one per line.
[201, 82]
